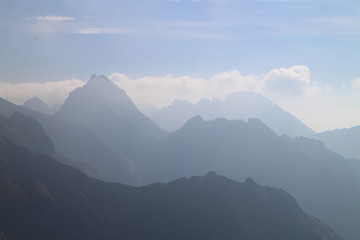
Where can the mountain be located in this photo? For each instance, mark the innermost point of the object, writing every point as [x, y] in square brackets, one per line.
[35, 104]
[323, 182]
[104, 108]
[27, 132]
[78, 147]
[240, 105]
[41, 198]
[343, 141]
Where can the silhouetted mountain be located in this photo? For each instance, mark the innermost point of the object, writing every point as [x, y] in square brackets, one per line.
[41, 198]
[79, 147]
[106, 109]
[241, 105]
[35, 104]
[324, 183]
[343, 141]
[25, 131]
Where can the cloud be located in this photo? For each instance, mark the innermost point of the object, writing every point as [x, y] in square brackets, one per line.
[289, 81]
[291, 88]
[222, 84]
[161, 91]
[50, 18]
[355, 84]
[47, 25]
[101, 30]
[49, 92]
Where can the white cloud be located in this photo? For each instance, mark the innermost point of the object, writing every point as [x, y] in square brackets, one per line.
[320, 107]
[221, 85]
[355, 84]
[161, 91]
[289, 81]
[49, 92]
[47, 25]
[51, 18]
[277, 84]
[101, 30]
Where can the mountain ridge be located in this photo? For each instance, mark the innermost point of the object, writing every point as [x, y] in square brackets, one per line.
[324, 183]
[79, 147]
[105, 109]
[209, 207]
[343, 141]
[240, 105]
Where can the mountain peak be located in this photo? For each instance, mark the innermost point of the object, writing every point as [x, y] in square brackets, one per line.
[98, 78]
[100, 81]
[194, 121]
[36, 104]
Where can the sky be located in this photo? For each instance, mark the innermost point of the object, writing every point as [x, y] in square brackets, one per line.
[302, 54]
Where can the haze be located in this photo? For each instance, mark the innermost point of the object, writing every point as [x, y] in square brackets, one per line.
[303, 55]
[179, 119]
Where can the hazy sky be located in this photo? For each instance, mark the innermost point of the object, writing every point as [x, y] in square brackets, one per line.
[302, 54]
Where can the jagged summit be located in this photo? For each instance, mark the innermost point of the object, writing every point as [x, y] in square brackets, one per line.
[253, 124]
[98, 78]
[100, 85]
[99, 96]
[100, 81]
[104, 108]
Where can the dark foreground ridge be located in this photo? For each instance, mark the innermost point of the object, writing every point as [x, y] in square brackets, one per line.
[41, 198]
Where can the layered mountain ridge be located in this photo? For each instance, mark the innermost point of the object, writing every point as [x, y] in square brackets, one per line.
[240, 105]
[105, 109]
[99, 97]
[343, 141]
[324, 183]
[41, 198]
[79, 147]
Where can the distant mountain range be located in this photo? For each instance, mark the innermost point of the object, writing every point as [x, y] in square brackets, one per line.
[43, 199]
[241, 105]
[343, 141]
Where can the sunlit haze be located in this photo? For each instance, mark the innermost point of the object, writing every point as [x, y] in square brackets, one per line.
[303, 55]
